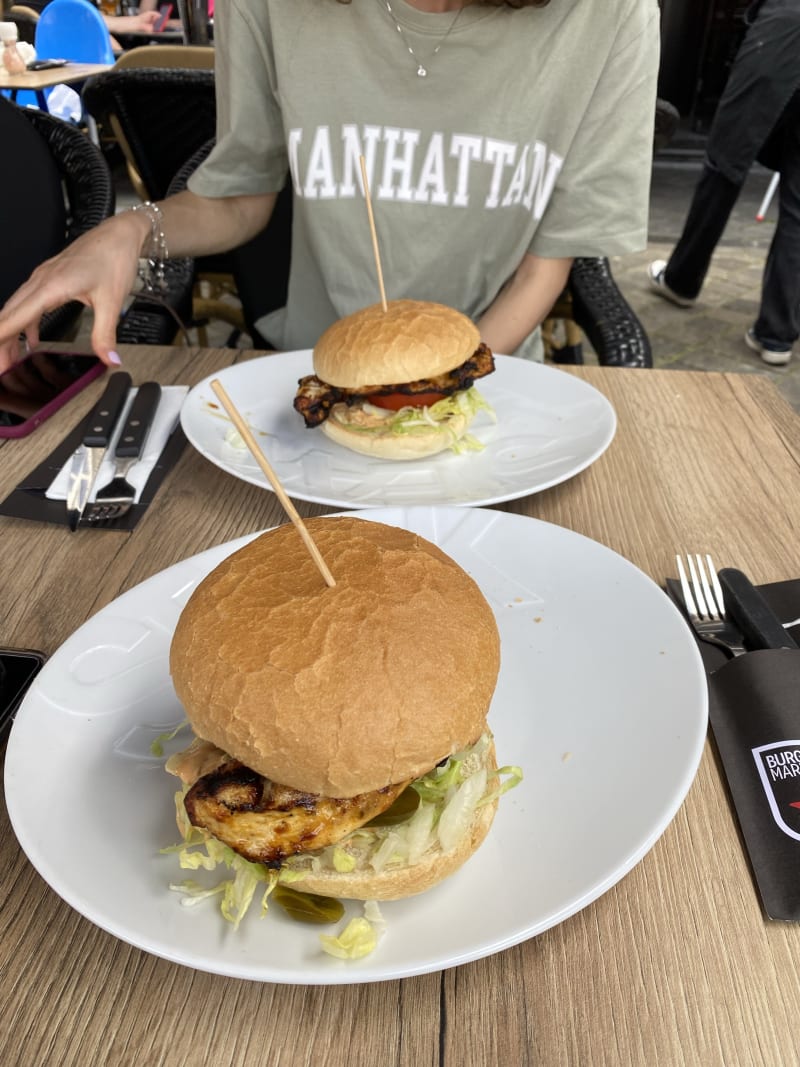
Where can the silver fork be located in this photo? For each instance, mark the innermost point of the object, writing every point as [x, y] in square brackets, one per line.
[116, 499]
[705, 604]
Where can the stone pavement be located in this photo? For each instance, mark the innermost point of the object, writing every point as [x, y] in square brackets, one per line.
[708, 336]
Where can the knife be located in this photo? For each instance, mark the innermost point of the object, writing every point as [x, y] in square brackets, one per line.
[87, 458]
[129, 448]
[760, 626]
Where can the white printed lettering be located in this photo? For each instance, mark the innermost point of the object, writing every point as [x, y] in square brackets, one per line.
[398, 165]
[431, 187]
[501, 154]
[292, 145]
[319, 172]
[544, 171]
[466, 150]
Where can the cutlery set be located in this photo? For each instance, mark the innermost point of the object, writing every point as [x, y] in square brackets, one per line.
[726, 609]
[753, 713]
[115, 499]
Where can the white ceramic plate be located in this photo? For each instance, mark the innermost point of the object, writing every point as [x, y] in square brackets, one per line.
[601, 699]
[549, 427]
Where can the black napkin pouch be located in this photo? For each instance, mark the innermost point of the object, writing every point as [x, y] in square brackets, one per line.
[28, 499]
[754, 712]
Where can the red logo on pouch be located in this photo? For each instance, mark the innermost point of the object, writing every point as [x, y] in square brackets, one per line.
[779, 769]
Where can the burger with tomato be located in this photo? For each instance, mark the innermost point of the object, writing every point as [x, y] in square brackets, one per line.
[397, 383]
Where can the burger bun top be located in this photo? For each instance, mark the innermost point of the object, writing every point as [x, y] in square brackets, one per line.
[409, 341]
[337, 690]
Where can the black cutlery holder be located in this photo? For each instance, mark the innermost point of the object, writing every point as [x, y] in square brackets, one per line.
[754, 712]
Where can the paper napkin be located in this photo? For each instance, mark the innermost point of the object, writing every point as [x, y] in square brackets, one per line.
[166, 419]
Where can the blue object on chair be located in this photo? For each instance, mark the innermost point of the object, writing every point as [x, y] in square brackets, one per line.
[75, 30]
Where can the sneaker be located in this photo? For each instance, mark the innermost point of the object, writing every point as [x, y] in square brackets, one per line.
[775, 357]
[655, 275]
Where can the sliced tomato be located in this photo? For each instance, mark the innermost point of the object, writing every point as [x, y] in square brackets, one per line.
[395, 401]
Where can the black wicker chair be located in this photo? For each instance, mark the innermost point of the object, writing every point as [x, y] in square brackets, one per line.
[89, 196]
[159, 116]
[593, 305]
[88, 192]
[258, 270]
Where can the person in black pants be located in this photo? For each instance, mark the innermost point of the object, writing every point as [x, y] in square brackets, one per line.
[758, 117]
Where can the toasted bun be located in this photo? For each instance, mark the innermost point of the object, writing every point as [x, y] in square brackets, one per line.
[393, 446]
[392, 883]
[345, 689]
[411, 340]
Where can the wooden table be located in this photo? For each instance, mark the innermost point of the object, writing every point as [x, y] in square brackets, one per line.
[674, 965]
[38, 80]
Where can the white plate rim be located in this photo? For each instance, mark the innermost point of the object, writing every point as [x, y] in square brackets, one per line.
[536, 378]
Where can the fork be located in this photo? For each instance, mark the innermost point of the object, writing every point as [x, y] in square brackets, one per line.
[116, 499]
[705, 604]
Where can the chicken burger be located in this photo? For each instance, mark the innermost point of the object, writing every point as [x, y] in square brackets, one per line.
[397, 383]
[341, 735]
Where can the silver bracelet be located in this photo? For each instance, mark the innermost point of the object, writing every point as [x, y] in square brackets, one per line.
[152, 262]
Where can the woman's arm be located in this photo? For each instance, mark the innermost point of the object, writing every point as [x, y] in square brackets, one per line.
[99, 269]
[524, 302]
[144, 22]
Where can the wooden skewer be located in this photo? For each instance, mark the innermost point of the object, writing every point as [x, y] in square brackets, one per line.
[272, 477]
[373, 231]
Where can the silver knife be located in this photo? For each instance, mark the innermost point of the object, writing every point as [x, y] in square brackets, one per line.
[86, 460]
[760, 626]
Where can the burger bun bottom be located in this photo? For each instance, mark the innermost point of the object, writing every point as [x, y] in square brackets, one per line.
[387, 445]
[394, 883]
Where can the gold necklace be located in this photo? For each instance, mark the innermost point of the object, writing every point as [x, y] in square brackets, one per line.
[422, 70]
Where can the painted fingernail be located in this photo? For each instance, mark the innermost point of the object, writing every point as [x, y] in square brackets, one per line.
[113, 357]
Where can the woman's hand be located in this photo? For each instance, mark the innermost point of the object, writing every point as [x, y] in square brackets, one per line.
[98, 269]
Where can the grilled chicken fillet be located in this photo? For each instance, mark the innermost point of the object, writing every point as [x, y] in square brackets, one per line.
[261, 820]
[315, 398]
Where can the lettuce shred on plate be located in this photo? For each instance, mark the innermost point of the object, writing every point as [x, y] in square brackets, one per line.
[448, 796]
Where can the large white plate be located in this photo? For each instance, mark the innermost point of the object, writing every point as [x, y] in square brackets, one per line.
[601, 699]
[549, 427]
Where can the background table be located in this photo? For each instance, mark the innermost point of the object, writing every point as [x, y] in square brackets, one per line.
[37, 80]
[674, 965]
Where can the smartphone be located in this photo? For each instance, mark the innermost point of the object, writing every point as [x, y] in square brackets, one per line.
[18, 668]
[165, 10]
[47, 64]
[41, 383]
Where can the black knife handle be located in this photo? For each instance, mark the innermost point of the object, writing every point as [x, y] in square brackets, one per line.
[106, 411]
[137, 425]
[760, 626]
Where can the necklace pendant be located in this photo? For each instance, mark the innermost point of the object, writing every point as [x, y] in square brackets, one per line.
[421, 72]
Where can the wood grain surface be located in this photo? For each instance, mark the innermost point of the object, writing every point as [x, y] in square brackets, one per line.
[45, 79]
[676, 964]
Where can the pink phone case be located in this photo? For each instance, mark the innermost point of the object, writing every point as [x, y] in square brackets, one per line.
[48, 409]
[165, 11]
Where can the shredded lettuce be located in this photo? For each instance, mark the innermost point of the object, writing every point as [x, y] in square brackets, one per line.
[514, 778]
[415, 420]
[157, 745]
[358, 939]
[448, 797]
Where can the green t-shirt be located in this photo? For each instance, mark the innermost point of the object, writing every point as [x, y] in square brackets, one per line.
[532, 132]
